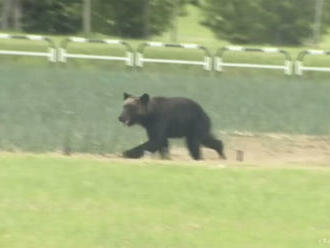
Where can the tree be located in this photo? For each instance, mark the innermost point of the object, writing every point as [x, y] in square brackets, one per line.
[262, 21]
[86, 16]
[317, 21]
[11, 14]
[52, 16]
[132, 18]
[17, 14]
[6, 6]
[125, 18]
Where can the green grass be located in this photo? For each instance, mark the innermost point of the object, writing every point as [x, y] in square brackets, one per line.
[52, 202]
[45, 109]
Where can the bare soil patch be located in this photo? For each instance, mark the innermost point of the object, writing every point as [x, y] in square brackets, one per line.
[259, 150]
[280, 150]
[268, 149]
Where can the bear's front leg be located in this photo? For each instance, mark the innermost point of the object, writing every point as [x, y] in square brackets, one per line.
[135, 152]
[138, 152]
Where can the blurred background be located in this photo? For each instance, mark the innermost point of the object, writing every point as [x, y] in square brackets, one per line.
[73, 106]
[289, 22]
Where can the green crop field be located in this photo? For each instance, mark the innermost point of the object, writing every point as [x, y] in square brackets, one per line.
[51, 201]
[47, 109]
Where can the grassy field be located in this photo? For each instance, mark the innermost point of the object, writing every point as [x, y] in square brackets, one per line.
[46, 109]
[51, 201]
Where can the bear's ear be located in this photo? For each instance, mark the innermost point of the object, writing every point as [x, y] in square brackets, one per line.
[126, 95]
[144, 98]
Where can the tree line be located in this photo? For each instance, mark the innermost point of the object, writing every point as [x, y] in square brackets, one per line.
[253, 21]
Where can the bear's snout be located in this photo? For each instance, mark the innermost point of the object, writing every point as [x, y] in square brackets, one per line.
[124, 120]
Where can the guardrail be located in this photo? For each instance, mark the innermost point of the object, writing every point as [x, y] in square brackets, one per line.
[136, 58]
[219, 64]
[51, 54]
[140, 59]
[63, 55]
[300, 68]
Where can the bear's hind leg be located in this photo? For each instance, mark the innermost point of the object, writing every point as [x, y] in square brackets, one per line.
[164, 150]
[215, 144]
[193, 145]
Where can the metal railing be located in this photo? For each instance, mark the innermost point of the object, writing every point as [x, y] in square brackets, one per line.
[219, 64]
[51, 54]
[299, 65]
[140, 59]
[137, 58]
[63, 55]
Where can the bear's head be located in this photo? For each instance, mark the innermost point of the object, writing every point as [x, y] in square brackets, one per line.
[134, 109]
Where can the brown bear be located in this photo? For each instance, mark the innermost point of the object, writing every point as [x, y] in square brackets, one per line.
[168, 117]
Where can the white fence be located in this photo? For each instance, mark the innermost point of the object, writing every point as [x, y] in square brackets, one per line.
[219, 64]
[51, 54]
[137, 58]
[63, 55]
[300, 68]
[140, 59]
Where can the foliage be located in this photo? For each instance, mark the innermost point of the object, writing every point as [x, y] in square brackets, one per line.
[134, 18]
[126, 18]
[263, 21]
[51, 16]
